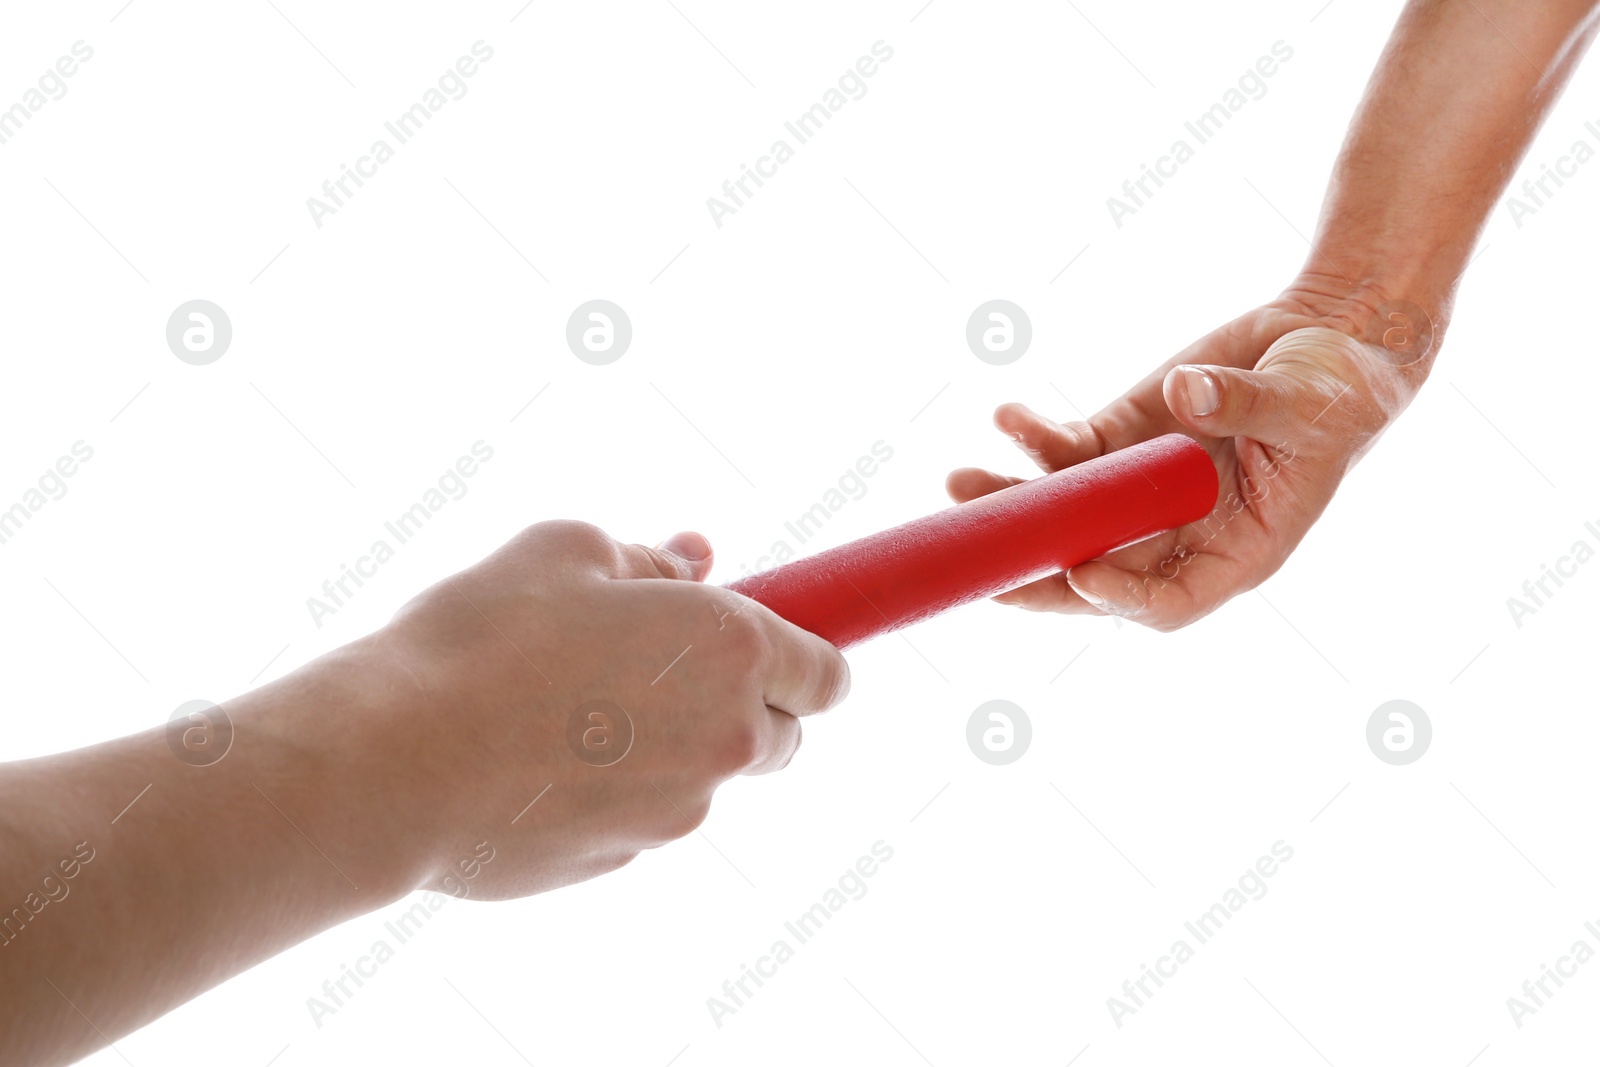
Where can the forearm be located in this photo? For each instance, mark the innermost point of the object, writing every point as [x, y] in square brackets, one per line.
[196, 872]
[389, 765]
[1456, 98]
[1290, 395]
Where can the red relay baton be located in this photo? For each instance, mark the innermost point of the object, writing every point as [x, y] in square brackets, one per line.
[990, 545]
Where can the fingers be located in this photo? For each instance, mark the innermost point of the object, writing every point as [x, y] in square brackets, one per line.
[969, 483]
[586, 548]
[1048, 594]
[1172, 594]
[1223, 402]
[1301, 374]
[683, 557]
[1051, 445]
[804, 674]
[779, 741]
[761, 746]
[780, 673]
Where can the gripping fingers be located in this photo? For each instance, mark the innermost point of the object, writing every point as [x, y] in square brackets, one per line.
[804, 674]
[683, 557]
[779, 740]
[969, 483]
[1053, 446]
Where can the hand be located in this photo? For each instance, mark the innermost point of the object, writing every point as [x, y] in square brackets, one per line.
[683, 686]
[437, 752]
[1285, 398]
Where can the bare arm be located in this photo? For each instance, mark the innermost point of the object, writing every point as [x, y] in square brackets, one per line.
[1289, 396]
[1456, 98]
[145, 870]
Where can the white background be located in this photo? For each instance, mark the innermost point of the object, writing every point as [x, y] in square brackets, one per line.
[767, 357]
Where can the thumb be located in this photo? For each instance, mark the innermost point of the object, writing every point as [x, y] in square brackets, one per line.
[1224, 402]
[683, 556]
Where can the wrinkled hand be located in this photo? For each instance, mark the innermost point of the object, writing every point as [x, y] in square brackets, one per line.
[1286, 399]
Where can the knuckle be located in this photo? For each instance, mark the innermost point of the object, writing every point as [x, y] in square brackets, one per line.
[573, 537]
[1250, 399]
[746, 641]
[740, 747]
[799, 738]
[615, 861]
[680, 818]
[662, 563]
[694, 816]
[834, 681]
[1087, 438]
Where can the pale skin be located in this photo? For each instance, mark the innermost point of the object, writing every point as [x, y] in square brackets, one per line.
[379, 768]
[1292, 394]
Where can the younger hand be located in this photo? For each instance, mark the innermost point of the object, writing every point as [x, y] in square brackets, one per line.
[600, 678]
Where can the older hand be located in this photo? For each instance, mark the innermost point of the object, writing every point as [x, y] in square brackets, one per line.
[1286, 399]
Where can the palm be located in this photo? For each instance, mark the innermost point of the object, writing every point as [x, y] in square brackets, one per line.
[1278, 463]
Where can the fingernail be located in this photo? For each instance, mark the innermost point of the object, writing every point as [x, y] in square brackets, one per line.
[688, 545]
[1097, 601]
[1202, 387]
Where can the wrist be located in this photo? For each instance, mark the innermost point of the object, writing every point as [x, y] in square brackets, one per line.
[1399, 315]
[335, 754]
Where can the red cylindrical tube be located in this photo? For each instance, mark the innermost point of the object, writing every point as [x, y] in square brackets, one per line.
[992, 544]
